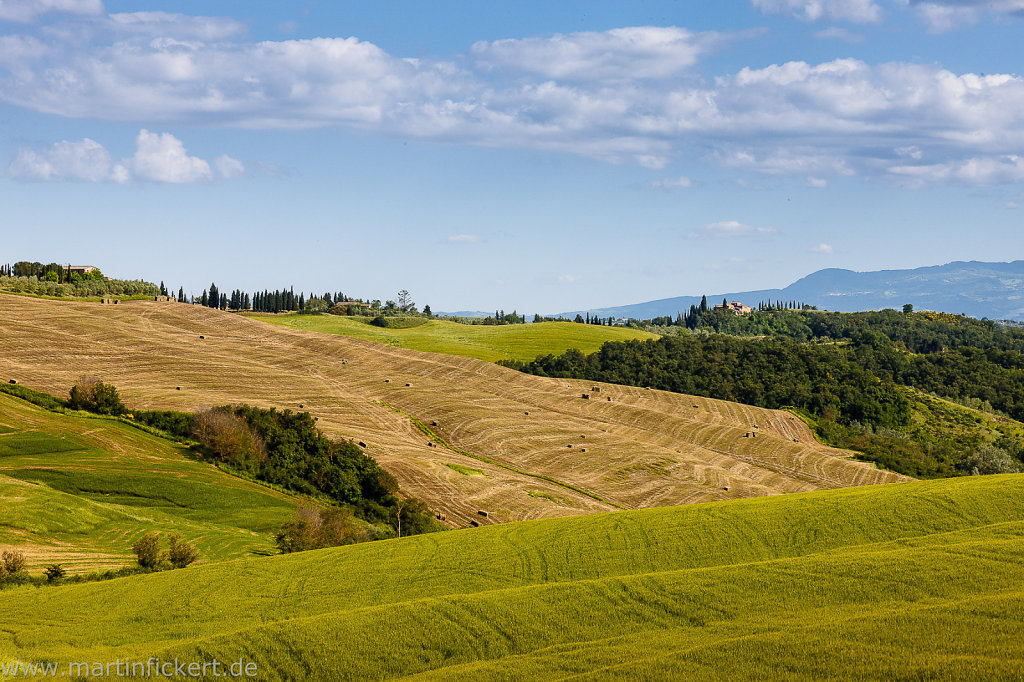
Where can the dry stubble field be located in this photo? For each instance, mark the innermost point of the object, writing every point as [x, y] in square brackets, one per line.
[548, 451]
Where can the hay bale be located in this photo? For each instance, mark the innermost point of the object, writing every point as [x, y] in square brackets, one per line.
[474, 524]
[201, 336]
[301, 406]
[527, 414]
[586, 396]
[362, 444]
[408, 385]
[13, 381]
[583, 449]
[609, 398]
[482, 513]
[387, 381]
[595, 389]
[177, 388]
[569, 445]
[726, 488]
[430, 444]
[583, 435]
[433, 423]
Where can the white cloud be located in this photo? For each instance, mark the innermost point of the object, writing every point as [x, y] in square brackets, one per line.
[228, 167]
[945, 15]
[87, 160]
[620, 96]
[731, 229]
[681, 182]
[817, 183]
[822, 248]
[623, 53]
[170, 25]
[463, 239]
[858, 11]
[566, 279]
[973, 172]
[159, 157]
[30, 10]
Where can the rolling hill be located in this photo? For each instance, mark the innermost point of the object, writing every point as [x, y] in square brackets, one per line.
[464, 435]
[80, 490]
[913, 581]
[977, 289]
[501, 342]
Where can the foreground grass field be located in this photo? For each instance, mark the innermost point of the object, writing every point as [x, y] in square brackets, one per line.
[79, 491]
[523, 446]
[913, 581]
[491, 343]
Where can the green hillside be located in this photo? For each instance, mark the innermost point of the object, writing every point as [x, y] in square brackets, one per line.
[910, 581]
[79, 491]
[501, 342]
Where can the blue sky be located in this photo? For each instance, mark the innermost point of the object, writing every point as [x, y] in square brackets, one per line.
[529, 155]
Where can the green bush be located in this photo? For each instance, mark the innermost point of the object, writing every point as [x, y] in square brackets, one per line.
[181, 553]
[55, 573]
[95, 396]
[147, 550]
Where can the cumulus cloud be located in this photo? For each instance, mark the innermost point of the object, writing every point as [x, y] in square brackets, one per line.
[463, 239]
[731, 229]
[87, 160]
[858, 11]
[822, 248]
[30, 10]
[623, 53]
[566, 279]
[228, 167]
[620, 96]
[159, 157]
[817, 183]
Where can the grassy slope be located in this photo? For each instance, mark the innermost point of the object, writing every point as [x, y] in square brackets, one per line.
[491, 343]
[538, 442]
[80, 490]
[915, 581]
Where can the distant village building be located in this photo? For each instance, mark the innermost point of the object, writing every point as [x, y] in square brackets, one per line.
[735, 307]
[82, 269]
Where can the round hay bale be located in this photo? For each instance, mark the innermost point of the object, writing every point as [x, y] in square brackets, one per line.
[407, 385]
[362, 444]
[177, 388]
[13, 381]
[201, 336]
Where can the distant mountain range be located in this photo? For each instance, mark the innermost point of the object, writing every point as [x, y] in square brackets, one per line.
[992, 290]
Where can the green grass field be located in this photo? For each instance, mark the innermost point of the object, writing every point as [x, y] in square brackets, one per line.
[906, 581]
[79, 491]
[491, 343]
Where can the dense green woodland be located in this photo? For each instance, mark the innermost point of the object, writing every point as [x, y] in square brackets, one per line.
[845, 371]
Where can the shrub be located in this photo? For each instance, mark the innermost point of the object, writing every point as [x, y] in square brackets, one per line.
[55, 573]
[316, 528]
[181, 553]
[12, 562]
[229, 437]
[147, 550]
[95, 396]
[988, 459]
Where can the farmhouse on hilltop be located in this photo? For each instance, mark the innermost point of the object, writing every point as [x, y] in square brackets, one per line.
[736, 307]
[82, 269]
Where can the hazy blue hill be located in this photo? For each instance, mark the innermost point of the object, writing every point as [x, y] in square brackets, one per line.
[992, 290]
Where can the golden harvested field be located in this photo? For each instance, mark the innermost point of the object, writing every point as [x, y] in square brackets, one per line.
[543, 449]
